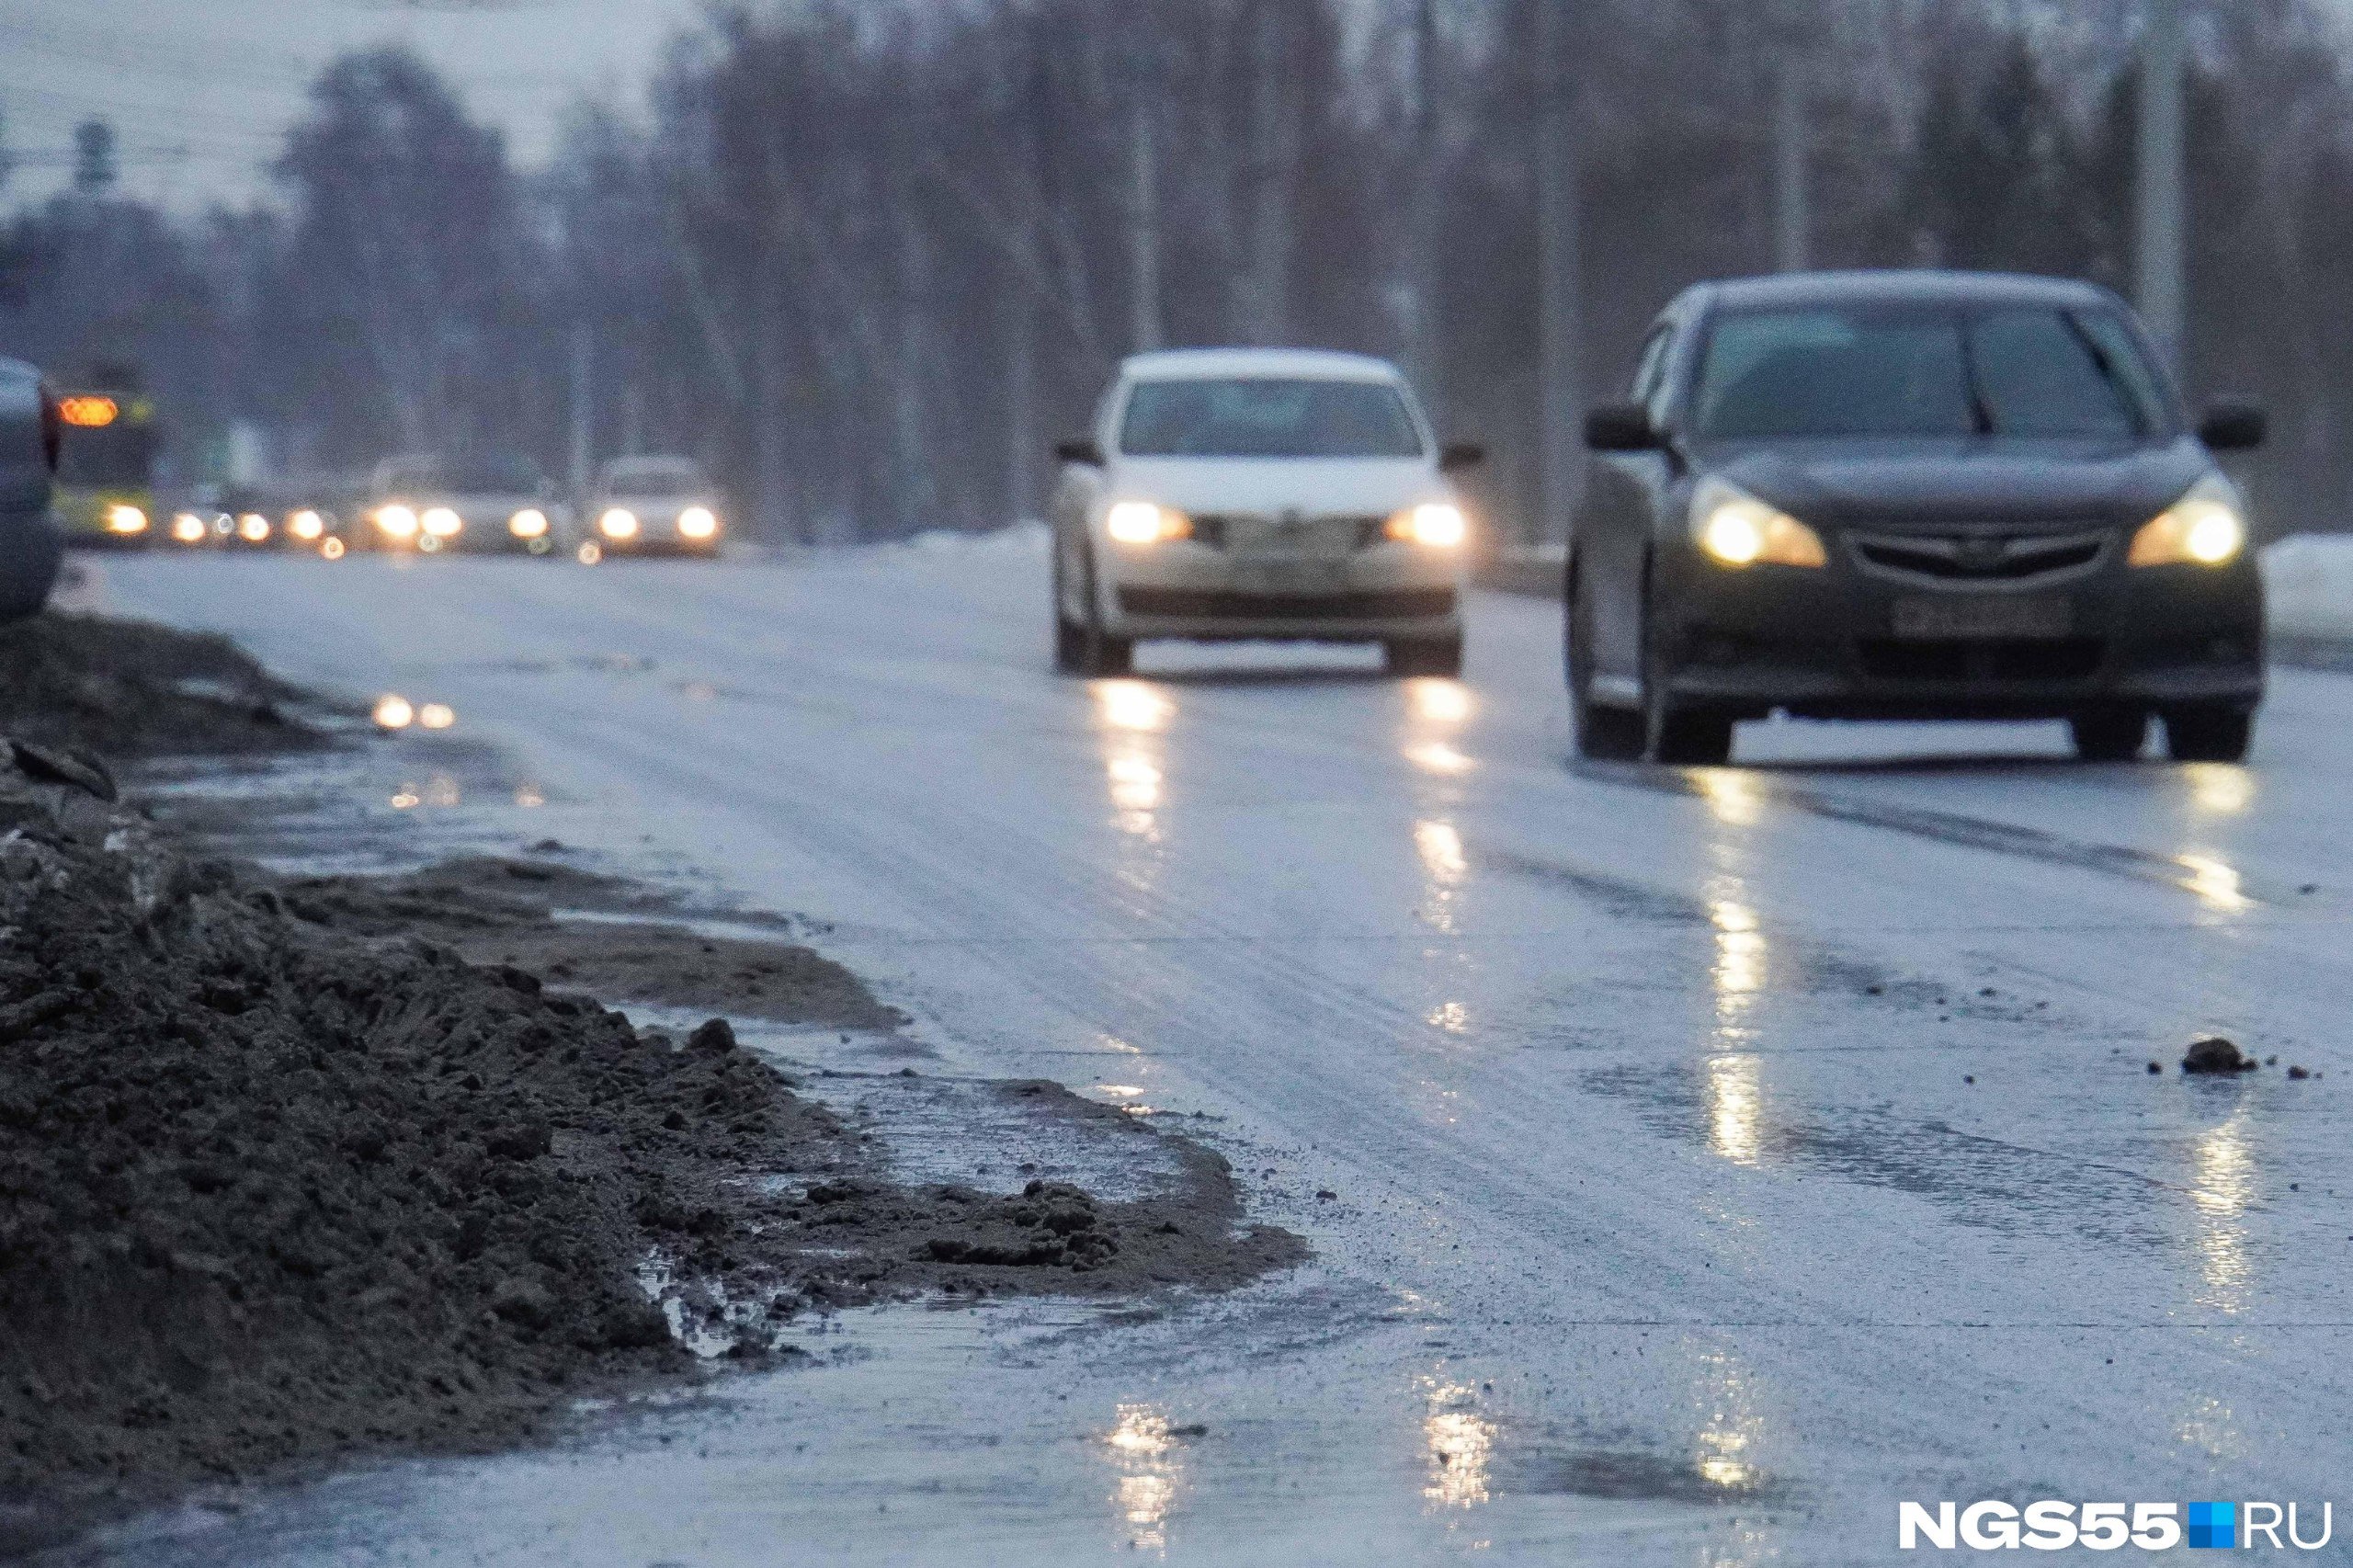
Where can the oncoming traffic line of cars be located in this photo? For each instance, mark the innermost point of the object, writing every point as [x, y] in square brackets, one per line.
[427, 505]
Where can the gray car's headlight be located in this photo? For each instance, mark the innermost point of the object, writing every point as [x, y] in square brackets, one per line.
[1732, 527]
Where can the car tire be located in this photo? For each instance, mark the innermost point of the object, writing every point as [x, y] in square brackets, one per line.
[1603, 733]
[2209, 732]
[1674, 735]
[1424, 656]
[1099, 653]
[2108, 735]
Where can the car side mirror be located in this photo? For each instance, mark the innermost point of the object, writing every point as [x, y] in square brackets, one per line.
[1457, 456]
[2233, 424]
[1086, 451]
[1621, 427]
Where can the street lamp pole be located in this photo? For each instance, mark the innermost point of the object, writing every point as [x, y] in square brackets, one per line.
[2161, 280]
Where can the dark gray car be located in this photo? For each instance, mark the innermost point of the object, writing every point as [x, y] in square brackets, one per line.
[30, 546]
[1910, 496]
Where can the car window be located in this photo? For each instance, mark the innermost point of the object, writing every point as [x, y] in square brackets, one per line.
[2021, 372]
[492, 476]
[1835, 373]
[1647, 369]
[654, 482]
[1267, 417]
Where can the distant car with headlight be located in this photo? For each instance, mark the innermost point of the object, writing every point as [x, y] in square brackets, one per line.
[431, 504]
[1237, 494]
[1910, 496]
[654, 505]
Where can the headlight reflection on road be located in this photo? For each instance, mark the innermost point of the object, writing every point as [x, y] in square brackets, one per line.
[2220, 789]
[1733, 795]
[1437, 757]
[1732, 1426]
[1439, 701]
[1134, 705]
[2215, 882]
[1459, 1444]
[1736, 1108]
[1146, 1450]
[2223, 1172]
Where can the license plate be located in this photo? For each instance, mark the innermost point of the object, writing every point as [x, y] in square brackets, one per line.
[1287, 577]
[1989, 615]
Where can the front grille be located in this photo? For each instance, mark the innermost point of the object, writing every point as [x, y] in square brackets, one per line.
[2023, 659]
[1396, 604]
[1979, 557]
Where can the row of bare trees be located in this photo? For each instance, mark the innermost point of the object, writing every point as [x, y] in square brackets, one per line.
[867, 260]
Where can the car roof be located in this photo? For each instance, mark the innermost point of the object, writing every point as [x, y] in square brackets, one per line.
[1302, 364]
[1893, 287]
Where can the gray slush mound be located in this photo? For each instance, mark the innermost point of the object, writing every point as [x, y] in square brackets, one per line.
[273, 1192]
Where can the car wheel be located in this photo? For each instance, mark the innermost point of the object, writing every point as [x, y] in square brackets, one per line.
[2209, 732]
[1675, 735]
[1424, 656]
[1100, 652]
[1070, 639]
[1603, 733]
[2107, 735]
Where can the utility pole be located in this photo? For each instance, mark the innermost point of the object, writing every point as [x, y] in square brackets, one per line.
[1792, 193]
[2162, 274]
[1560, 327]
[1421, 212]
[1144, 228]
[582, 414]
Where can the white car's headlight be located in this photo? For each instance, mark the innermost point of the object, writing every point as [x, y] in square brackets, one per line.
[529, 523]
[252, 528]
[1144, 522]
[306, 525]
[1734, 529]
[126, 520]
[698, 522]
[618, 522]
[397, 521]
[441, 522]
[2205, 528]
[189, 529]
[1438, 524]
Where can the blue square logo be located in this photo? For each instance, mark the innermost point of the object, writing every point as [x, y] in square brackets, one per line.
[2214, 1523]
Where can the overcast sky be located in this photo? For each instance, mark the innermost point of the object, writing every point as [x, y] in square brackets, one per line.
[201, 92]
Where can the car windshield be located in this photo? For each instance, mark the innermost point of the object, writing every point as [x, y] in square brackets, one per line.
[654, 482]
[2019, 373]
[1268, 418]
[120, 454]
[492, 476]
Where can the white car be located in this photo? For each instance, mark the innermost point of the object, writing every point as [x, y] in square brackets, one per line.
[646, 505]
[1234, 494]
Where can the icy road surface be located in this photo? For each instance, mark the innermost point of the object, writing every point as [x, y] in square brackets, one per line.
[1718, 1157]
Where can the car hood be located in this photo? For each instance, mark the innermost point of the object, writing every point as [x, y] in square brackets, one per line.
[1368, 486]
[1934, 483]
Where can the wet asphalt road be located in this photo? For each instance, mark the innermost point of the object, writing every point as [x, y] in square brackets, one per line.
[1668, 1224]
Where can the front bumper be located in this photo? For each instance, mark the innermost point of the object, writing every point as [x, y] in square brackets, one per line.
[1833, 642]
[1205, 592]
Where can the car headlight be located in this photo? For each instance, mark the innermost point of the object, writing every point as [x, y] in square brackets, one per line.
[189, 529]
[698, 522]
[2205, 528]
[618, 522]
[306, 525]
[125, 519]
[1439, 524]
[252, 528]
[400, 522]
[441, 522]
[1734, 529]
[1144, 522]
[529, 523]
